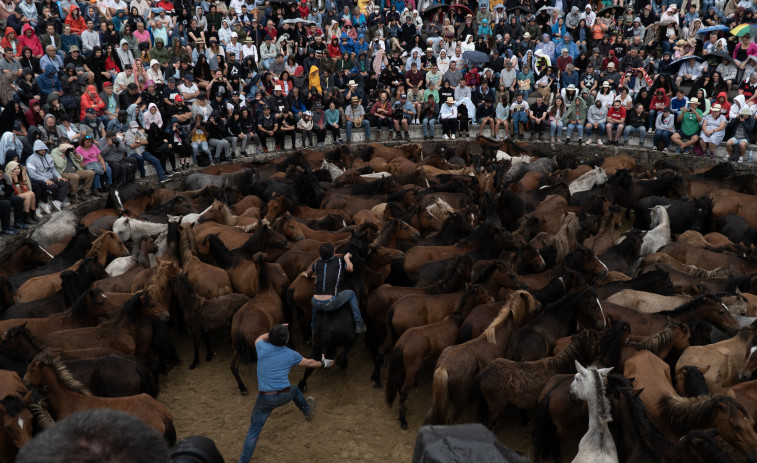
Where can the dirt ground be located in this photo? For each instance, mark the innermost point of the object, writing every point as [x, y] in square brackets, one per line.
[352, 420]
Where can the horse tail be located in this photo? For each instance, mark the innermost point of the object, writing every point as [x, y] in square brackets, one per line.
[390, 325]
[545, 432]
[395, 375]
[439, 411]
[164, 346]
[148, 382]
[477, 401]
[243, 348]
[170, 433]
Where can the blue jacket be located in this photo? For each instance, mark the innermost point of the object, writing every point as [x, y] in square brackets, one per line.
[48, 82]
[567, 79]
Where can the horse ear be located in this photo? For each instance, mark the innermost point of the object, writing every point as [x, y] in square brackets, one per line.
[605, 371]
[638, 392]
[705, 370]
[580, 368]
[157, 260]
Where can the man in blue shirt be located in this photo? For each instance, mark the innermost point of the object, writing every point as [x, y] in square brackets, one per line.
[275, 360]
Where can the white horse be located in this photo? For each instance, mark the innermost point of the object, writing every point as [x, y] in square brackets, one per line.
[659, 235]
[592, 178]
[332, 169]
[597, 445]
[502, 156]
[127, 228]
[377, 175]
[60, 225]
[192, 218]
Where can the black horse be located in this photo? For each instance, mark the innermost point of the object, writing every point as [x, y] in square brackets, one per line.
[684, 215]
[303, 189]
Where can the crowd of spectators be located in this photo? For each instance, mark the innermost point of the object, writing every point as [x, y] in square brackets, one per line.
[91, 90]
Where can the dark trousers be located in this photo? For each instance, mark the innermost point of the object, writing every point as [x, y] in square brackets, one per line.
[57, 190]
[320, 134]
[17, 204]
[334, 132]
[381, 123]
[449, 126]
[277, 136]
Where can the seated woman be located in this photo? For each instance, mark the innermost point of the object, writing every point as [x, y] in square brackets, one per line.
[93, 160]
[16, 177]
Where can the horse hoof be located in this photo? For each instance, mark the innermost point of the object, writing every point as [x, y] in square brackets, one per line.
[377, 386]
[244, 391]
[403, 426]
[193, 366]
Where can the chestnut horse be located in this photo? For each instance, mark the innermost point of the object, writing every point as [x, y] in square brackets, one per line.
[15, 417]
[66, 395]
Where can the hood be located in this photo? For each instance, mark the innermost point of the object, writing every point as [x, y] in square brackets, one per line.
[9, 30]
[52, 97]
[159, 40]
[153, 62]
[574, 10]
[49, 70]
[123, 41]
[704, 92]
[39, 145]
[149, 107]
[724, 95]
[741, 100]
[32, 131]
[74, 8]
[48, 116]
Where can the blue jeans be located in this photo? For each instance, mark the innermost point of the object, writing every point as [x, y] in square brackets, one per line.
[145, 156]
[108, 174]
[652, 117]
[264, 405]
[518, 117]
[334, 303]
[428, 126]
[555, 126]
[579, 127]
[641, 130]
[600, 129]
[664, 135]
[366, 128]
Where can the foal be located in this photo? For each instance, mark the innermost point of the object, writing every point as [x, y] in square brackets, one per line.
[597, 445]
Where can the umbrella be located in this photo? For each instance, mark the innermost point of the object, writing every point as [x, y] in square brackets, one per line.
[721, 55]
[708, 29]
[521, 8]
[674, 64]
[457, 6]
[549, 10]
[296, 21]
[435, 8]
[614, 9]
[667, 22]
[476, 58]
[743, 29]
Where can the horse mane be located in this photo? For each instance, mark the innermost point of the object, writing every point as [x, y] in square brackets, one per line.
[489, 271]
[611, 344]
[81, 233]
[97, 245]
[480, 235]
[469, 294]
[516, 307]
[603, 413]
[565, 359]
[241, 179]
[691, 305]
[218, 250]
[654, 343]
[134, 305]
[263, 277]
[648, 432]
[718, 172]
[186, 294]
[43, 417]
[695, 384]
[714, 273]
[53, 360]
[698, 412]
[389, 227]
[79, 307]
[456, 274]
[22, 330]
[160, 287]
[440, 208]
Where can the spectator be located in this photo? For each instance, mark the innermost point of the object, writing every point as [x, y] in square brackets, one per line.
[556, 113]
[596, 119]
[68, 163]
[664, 129]
[713, 131]
[135, 142]
[17, 178]
[537, 117]
[689, 119]
[41, 169]
[636, 122]
[616, 118]
[575, 117]
[739, 131]
[519, 112]
[93, 160]
[355, 116]
[448, 116]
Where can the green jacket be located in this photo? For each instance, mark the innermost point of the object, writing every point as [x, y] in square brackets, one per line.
[60, 159]
[576, 110]
[162, 55]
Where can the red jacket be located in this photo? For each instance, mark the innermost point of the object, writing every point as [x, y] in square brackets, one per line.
[88, 101]
[78, 25]
[657, 104]
[9, 40]
[31, 41]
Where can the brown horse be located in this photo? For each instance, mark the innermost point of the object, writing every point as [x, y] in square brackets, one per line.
[287, 225]
[504, 382]
[604, 240]
[86, 311]
[674, 338]
[218, 212]
[726, 202]
[205, 315]
[106, 247]
[708, 308]
[675, 415]
[119, 333]
[396, 234]
[723, 359]
[580, 259]
[254, 319]
[28, 255]
[709, 260]
[242, 273]
[458, 365]
[563, 241]
[208, 281]
[17, 420]
[66, 395]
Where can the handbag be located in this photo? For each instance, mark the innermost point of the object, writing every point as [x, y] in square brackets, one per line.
[95, 166]
[524, 84]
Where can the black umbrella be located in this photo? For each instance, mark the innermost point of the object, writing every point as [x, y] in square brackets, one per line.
[476, 58]
[435, 8]
[676, 63]
[721, 55]
[616, 10]
[521, 8]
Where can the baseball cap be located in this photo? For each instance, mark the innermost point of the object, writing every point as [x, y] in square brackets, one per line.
[133, 124]
[178, 98]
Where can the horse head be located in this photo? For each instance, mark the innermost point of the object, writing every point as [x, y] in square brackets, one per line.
[17, 419]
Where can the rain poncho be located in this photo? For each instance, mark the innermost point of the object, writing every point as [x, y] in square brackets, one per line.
[314, 79]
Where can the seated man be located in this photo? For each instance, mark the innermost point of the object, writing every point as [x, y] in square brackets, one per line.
[448, 116]
[689, 71]
[741, 128]
[616, 118]
[689, 118]
[404, 112]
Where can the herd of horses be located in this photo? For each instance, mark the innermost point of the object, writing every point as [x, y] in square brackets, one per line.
[502, 271]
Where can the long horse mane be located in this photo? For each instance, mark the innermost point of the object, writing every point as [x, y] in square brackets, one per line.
[82, 233]
[79, 307]
[263, 277]
[388, 228]
[698, 412]
[565, 359]
[457, 272]
[695, 384]
[41, 415]
[53, 360]
[611, 343]
[160, 287]
[486, 275]
[241, 179]
[603, 412]
[656, 342]
[480, 235]
[22, 330]
[185, 293]
[469, 294]
[516, 308]
[691, 305]
[218, 250]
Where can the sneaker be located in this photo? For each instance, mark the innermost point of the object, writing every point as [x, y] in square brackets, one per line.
[445, 137]
[599, 142]
[265, 149]
[580, 142]
[521, 137]
[10, 231]
[453, 136]
[46, 208]
[551, 139]
[169, 174]
[341, 141]
[650, 130]
[38, 213]
[96, 193]
[496, 137]
[311, 405]
[165, 180]
[320, 144]
[360, 328]
[407, 135]
[588, 142]
[20, 226]
[57, 204]
[741, 160]
[664, 150]
[82, 195]
[425, 137]
[66, 203]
